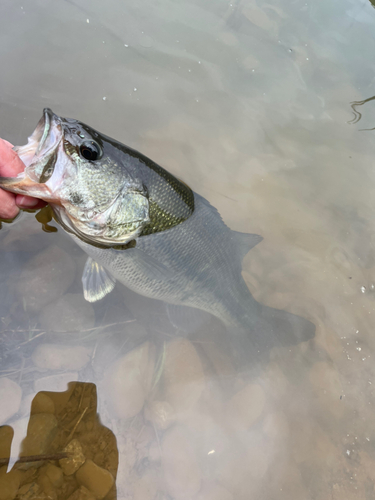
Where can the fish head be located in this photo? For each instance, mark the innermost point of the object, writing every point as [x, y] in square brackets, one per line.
[93, 192]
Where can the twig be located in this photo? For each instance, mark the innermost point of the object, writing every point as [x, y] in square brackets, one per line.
[21, 370]
[35, 458]
[42, 332]
[77, 424]
[81, 399]
[358, 114]
[157, 439]
[159, 367]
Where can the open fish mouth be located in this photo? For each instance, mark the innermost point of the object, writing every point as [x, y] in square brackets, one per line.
[36, 140]
[38, 154]
[91, 195]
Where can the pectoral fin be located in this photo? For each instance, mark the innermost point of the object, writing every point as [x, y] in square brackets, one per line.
[97, 282]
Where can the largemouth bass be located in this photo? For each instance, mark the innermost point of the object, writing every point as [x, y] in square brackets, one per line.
[143, 227]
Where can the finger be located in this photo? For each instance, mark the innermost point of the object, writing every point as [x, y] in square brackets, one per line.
[10, 163]
[8, 207]
[29, 202]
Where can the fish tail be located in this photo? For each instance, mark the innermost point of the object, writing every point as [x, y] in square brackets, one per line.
[268, 329]
[284, 328]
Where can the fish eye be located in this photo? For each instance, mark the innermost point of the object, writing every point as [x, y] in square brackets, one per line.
[90, 150]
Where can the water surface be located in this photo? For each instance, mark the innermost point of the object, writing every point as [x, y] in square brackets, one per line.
[248, 102]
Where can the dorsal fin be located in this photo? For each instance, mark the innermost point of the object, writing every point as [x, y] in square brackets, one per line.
[246, 241]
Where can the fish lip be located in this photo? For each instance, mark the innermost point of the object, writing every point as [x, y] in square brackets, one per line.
[37, 139]
[47, 117]
[43, 141]
[40, 137]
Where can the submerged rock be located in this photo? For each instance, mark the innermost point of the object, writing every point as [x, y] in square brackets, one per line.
[41, 430]
[146, 487]
[54, 474]
[82, 494]
[97, 480]
[6, 436]
[10, 399]
[50, 478]
[76, 458]
[9, 483]
[183, 375]
[55, 383]
[31, 491]
[42, 403]
[160, 413]
[45, 278]
[181, 469]
[245, 407]
[61, 357]
[127, 383]
[213, 491]
[69, 313]
[241, 468]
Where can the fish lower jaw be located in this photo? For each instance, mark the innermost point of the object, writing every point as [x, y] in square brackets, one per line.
[23, 184]
[100, 236]
[112, 238]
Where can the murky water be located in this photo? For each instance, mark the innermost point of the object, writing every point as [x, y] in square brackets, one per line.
[248, 102]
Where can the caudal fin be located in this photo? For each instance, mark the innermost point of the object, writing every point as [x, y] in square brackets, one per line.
[284, 328]
[270, 328]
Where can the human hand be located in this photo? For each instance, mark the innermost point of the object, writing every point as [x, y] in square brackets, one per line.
[10, 166]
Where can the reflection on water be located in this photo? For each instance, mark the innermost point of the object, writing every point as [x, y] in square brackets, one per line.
[248, 103]
[66, 452]
[358, 114]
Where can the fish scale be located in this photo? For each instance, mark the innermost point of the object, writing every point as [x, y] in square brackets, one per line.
[202, 255]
